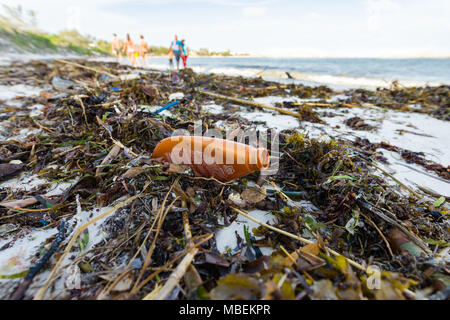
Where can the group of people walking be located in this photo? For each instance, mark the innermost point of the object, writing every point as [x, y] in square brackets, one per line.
[177, 50]
[131, 50]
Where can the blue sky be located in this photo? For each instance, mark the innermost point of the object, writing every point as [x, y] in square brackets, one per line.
[282, 27]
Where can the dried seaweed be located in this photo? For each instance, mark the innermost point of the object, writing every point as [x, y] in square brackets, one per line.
[98, 136]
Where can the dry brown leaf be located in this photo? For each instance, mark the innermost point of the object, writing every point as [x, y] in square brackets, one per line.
[176, 168]
[271, 290]
[311, 248]
[236, 199]
[133, 172]
[22, 203]
[306, 258]
[323, 290]
[124, 284]
[401, 243]
[150, 91]
[9, 169]
[46, 95]
[109, 158]
[254, 195]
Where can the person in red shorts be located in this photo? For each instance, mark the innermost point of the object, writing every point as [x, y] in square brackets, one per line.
[184, 52]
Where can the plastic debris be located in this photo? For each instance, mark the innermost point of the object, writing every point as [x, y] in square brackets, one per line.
[222, 159]
[176, 96]
[61, 84]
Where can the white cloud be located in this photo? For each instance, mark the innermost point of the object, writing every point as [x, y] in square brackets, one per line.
[368, 28]
[253, 12]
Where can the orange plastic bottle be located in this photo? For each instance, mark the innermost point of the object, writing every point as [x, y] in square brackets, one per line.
[222, 159]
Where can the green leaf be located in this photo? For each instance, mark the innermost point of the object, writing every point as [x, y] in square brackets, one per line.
[105, 115]
[83, 240]
[341, 263]
[413, 249]
[439, 202]
[48, 204]
[160, 178]
[15, 275]
[247, 235]
[312, 223]
[440, 243]
[330, 179]
[105, 165]
[202, 294]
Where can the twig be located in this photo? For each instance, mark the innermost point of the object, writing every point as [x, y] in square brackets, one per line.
[379, 231]
[432, 192]
[422, 172]
[22, 288]
[212, 179]
[293, 236]
[180, 271]
[251, 103]
[389, 175]
[176, 275]
[116, 142]
[371, 208]
[41, 292]
[107, 104]
[295, 204]
[164, 267]
[84, 110]
[152, 246]
[187, 230]
[288, 255]
[84, 67]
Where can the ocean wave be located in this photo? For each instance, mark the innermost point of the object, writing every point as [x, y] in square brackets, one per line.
[344, 80]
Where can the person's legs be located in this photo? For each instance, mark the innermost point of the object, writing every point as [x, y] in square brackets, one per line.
[177, 57]
[131, 57]
[142, 56]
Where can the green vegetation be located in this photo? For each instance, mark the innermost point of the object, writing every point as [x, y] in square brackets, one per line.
[205, 52]
[158, 50]
[19, 29]
[36, 42]
[28, 40]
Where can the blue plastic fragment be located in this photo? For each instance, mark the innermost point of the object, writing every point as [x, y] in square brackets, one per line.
[104, 77]
[167, 106]
[44, 223]
[115, 89]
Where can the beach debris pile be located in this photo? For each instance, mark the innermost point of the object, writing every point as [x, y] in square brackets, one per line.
[86, 212]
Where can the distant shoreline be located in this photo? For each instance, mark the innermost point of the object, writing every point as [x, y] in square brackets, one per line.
[307, 57]
[336, 72]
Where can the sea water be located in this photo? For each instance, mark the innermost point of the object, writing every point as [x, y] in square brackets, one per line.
[335, 72]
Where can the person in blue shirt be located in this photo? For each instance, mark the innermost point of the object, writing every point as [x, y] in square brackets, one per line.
[176, 50]
[184, 52]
